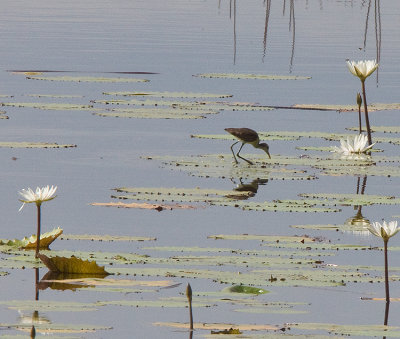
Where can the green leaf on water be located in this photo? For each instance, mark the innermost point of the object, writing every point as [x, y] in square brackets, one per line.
[349, 108]
[215, 197]
[245, 289]
[170, 94]
[191, 105]
[47, 305]
[85, 79]
[251, 76]
[25, 144]
[30, 243]
[104, 237]
[50, 106]
[352, 330]
[72, 265]
[380, 129]
[155, 113]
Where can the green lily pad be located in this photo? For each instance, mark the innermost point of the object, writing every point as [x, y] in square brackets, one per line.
[216, 197]
[251, 76]
[85, 79]
[30, 243]
[11, 144]
[349, 108]
[47, 305]
[191, 105]
[104, 237]
[72, 265]
[155, 113]
[170, 94]
[246, 289]
[50, 106]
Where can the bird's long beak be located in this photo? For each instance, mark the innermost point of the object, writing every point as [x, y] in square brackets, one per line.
[269, 155]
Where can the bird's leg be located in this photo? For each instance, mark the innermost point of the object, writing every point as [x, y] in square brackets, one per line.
[242, 157]
[233, 153]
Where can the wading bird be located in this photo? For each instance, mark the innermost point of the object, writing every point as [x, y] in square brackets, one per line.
[246, 136]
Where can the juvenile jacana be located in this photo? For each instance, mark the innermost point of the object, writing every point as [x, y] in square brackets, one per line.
[247, 136]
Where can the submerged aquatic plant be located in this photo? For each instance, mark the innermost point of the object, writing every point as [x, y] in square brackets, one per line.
[362, 70]
[40, 195]
[385, 231]
[356, 145]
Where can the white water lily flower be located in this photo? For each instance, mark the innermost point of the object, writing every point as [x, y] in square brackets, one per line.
[356, 145]
[384, 230]
[362, 69]
[41, 194]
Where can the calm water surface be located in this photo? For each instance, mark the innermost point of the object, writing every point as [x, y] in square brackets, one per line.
[177, 39]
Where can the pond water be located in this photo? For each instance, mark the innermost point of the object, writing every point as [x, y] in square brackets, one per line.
[168, 43]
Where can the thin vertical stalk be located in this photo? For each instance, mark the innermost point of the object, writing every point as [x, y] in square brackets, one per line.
[38, 231]
[366, 113]
[386, 271]
[189, 297]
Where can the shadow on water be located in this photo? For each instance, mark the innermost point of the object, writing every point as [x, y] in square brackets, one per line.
[251, 187]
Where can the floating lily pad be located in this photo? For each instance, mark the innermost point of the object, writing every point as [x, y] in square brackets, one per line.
[157, 207]
[251, 76]
[352, 330]
[104, 237]
[46, 305]
[213, 106]
[15, 144]
[30, 243]
[352, 199]
[170, 94]
[381, 129]
[50, 106]
[349, 108]
[72, 265]
[216, 197]
[155, 113]
[246, 289]
[220, 326]
[85, 79]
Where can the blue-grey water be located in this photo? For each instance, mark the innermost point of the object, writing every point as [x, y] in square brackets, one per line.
[177, 39]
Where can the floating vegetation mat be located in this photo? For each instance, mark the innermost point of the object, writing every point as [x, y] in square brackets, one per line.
[290, 261]
[237, 199]
[280, 167]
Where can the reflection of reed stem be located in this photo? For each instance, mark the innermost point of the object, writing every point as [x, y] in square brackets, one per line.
[366, 113]
[38, 231]
[366, 25]
[386, 271]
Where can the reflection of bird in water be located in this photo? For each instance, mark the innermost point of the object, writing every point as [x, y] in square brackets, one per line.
[251, 187]
[246, 136]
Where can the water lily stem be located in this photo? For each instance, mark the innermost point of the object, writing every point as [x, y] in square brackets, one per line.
[386, 271]
[189, 297]
[359, 119]
[366, 113]
[38, 231]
